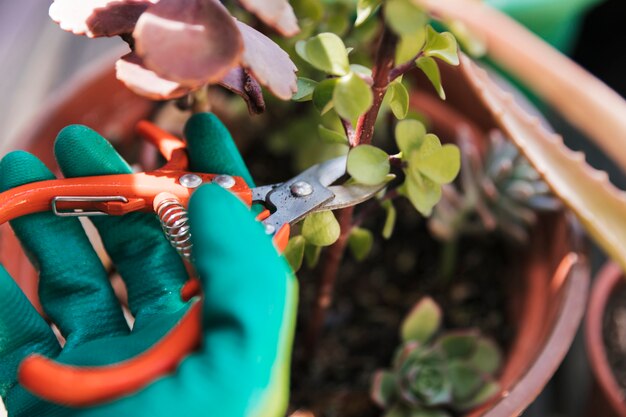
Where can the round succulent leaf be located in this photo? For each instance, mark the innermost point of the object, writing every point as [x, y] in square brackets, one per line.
[360, 242]
[312, 255]
[306, 87]
[428, 382]
[323, 95]
[459, 344]
[466, 380]
[422, 322]
[188, 41]
[404, 17]
[326, 52]
[331, 136]
[484, 394]
[390, 219]
[275, 13]
[399, 101]
[368, 164]
[487, 356]
[442, 46]
[409, 135]
[442, 165]
[268, 63]
[294, 252]
[365, 9]
[383, 391]
[361, 70]
[311, 10]
[410, 44]
[352, 96]
[431, 70]
[321, 229]
[426, 412]
[423, 193]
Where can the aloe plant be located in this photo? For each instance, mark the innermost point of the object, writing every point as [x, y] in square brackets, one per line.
[434, 374]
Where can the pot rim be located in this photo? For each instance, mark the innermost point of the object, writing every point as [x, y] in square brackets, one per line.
[607, 281]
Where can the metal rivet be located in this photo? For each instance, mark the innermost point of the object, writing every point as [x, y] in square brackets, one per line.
[190, 181]
[269, 229]
[224, 181]
[301, 189]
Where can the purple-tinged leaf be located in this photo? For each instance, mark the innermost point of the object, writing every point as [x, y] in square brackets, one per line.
[240, 82]
[96, 18]
[275, 13]
[189, 41]
[146, 83]
[268, 63]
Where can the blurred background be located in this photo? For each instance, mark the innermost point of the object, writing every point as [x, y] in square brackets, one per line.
[37, 58]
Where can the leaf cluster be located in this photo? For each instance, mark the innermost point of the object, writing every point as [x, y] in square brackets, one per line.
[433, 373]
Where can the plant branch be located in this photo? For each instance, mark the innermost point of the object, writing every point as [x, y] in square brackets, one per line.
[405, 67]
[350, 133]
[385, 58]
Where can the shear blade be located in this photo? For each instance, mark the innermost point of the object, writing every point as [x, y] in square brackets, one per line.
[350, 195]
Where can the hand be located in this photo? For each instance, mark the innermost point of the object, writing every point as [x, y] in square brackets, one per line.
[248, 308]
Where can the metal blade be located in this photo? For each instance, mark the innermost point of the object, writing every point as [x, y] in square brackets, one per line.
[349, 195]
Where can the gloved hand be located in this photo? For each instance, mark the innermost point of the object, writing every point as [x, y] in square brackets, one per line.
[250, 293]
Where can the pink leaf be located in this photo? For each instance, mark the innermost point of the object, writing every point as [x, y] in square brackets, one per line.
[142, 81]
[189, 41]
[276, 13]
[240, 82]
[96, 18]
[268, 63]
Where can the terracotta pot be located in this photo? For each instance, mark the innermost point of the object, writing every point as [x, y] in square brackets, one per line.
[547, 303]
[607, 395]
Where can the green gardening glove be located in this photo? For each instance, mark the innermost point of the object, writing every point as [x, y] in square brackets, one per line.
[250, 293]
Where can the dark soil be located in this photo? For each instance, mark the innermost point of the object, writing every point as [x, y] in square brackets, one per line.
[371, 299]
[614, 333]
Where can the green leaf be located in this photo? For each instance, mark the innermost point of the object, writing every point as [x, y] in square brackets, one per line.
[422, 322]
[321, 229]
[404, 17]
[399, 101]
[442, 166]
[383, 388]
[430, 68]
[361, 70]
[398, 411]
[365, 9]
[442, 46]
[368, 164]
[424, 412]
[484, 394]
[487, 356]
[308, 9]
[459, 344]
[422, 192]
[466, 381]
[305, 89]
[294, 252]
[325, 52]
[352, 97]
[323, 95]
[331, 136]
[360, 242]
[410, 44]
[390, 220]
[409, 135]
[312, 255]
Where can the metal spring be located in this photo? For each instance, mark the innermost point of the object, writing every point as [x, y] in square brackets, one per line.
[175, 224]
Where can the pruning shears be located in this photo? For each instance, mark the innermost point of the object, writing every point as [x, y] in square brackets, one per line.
[165, 191]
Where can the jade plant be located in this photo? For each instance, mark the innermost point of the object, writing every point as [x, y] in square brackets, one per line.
[435, 373]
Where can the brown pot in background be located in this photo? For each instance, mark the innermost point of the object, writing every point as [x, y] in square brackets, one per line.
[547, 303]
[607, 397]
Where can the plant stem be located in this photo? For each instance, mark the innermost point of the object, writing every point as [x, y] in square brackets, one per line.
[385, 58]
[329, 270]
[405, 67]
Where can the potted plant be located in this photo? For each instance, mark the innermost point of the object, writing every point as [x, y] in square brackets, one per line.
[546, 299]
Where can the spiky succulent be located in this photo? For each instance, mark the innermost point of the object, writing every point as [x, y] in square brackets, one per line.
[502, 193]
[432, 376]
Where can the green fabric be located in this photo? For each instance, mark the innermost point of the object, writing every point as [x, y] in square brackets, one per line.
[242, 366]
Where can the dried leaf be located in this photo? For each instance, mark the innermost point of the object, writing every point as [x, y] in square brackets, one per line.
[270, 65]
[275, 13]
[599, 205]
[189, 41]
[146, 83]
[241, 83]
[96, 18]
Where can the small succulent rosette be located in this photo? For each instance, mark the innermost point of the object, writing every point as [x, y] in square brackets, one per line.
[436, 375]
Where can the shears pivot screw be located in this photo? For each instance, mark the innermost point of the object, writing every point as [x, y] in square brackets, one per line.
[224, 181]
[269, 229]
[190, 181]
[301, 189]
